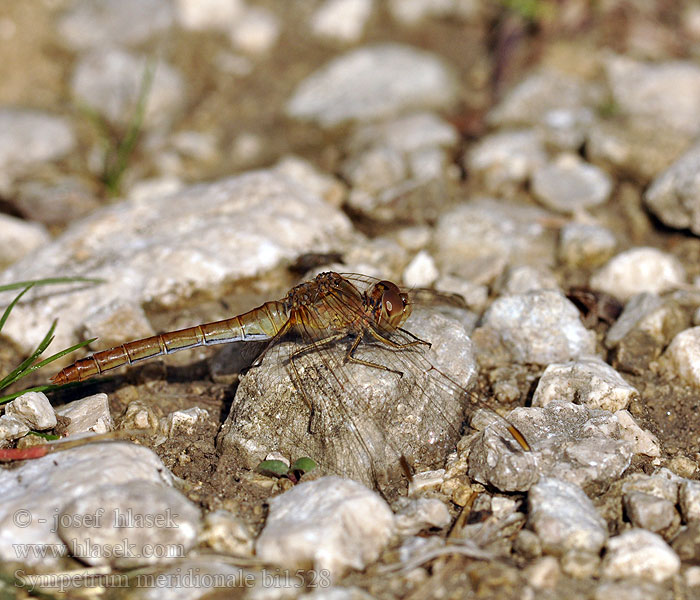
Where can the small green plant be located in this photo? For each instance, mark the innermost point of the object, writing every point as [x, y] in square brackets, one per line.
[32, 363]
[278, 468]
[117, 148]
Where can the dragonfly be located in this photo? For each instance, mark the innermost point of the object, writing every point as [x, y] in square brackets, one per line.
[338, 376]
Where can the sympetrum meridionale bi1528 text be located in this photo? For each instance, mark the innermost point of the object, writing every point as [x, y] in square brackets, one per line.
[340, 379]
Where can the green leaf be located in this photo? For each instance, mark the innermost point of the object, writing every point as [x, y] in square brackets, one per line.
[49, 281]
[46, 436]
[303, 465]
[39, 388]
[275, 468]
[10, 306]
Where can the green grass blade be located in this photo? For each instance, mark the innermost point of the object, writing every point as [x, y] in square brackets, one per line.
[18, 372]
[39, 388]
[58, 355]
[9, 308]
[49, 281]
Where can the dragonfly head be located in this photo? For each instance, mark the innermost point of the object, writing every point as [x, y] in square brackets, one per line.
[391, 306]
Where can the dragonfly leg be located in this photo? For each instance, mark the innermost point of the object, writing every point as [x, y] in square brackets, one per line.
[415, 337]
[358, 361]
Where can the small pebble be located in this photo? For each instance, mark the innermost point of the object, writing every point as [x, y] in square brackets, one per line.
[569, 185]
[580, 564]
[372, 82]
[12, 428]
[332, 523]
[649, 512]
[588, 381]
[183, 422]
[644, 442]
[421, 513]
[87, 414]
[18, 238]
[421, 271]
[690, 500]
[544, 573]
[505, 160]
[209, 14]
[255, 31]
[34, 409]
[683, 355]
[640, 554]
[539, 327]
[564, 518]
[341, 20]
[584, 245]
[226, 533]
[639, 270]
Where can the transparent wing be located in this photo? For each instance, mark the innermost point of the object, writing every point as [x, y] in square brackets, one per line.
[307, 398]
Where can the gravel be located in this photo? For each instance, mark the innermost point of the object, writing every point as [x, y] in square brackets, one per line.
[371, 83]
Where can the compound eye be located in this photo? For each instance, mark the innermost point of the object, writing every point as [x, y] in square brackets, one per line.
[393, 302]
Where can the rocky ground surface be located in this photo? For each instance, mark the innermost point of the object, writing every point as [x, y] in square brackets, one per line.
[203, 156]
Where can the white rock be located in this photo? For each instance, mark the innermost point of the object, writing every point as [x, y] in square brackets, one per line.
[319, 184]
[649, 512]
[110, 81]
[629, 590]
[644, 442]
[478, 239]
[640, 553]
[526, 278]
[538, 327]
[406, 134]
[34, 493]
[690, 500]
[342, 20]
[421, 513]
[642, 90]
[639, 270]
[12, 428]
[421, 271]
[683, 354]
[34, 409]
[564, 518]
[662, 484]
[209, 14]
[333, 523]
[165, 249]
[182, 422]
[587, 380]
[373, 82]
[673, 195]
[145, 189]
[411, 12]
[692, 576]
[28, 137]
[375, 170]
[93, 24]
[544, 573]
[19, 237]
[567, 441]
[541, 92]
[566, 128]
[153, 522]
[256, 31]
[87, 414]
[505, 160]
[226, 533]
[570, 185]
[582, 244]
